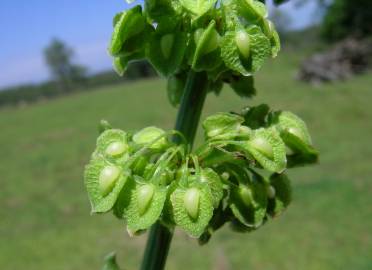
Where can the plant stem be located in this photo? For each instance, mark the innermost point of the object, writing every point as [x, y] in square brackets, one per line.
[188, 116]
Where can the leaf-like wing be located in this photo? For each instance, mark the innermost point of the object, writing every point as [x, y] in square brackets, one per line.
[193, 226]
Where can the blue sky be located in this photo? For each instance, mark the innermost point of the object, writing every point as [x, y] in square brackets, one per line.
[28, 26]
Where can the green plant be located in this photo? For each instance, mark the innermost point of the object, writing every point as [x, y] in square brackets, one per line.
[152, 178]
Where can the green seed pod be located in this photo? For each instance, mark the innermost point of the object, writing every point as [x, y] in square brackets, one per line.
[192, 208]
[107, 179]
[222, 125]
[127, 25]
[294, 133]
[145, 194]
[251, 10]
[212, 41]
[141, 204]
[166, 51]
[266, 146]
[166, 44]
[243, 53]
[243, 42]
[103, 181]
[287, 122]
[206, 56]
[263, 146]
[113, 145]
[147, 136]
[191, 202]
[282, 195]
[248, 202]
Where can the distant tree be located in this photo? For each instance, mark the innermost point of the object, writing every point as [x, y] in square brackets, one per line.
[347, 18]
[58, 57]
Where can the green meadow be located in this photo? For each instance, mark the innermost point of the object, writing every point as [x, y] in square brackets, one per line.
[45, 220]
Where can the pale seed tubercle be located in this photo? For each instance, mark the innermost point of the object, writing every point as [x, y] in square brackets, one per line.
[107, 179]
[191, 201]
[145, 194]
[243, 42]
[116, 149]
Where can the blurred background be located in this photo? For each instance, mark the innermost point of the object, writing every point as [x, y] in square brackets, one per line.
[56, 83]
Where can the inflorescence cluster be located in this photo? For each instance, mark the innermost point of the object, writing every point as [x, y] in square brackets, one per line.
[236, 176]
[227, 39]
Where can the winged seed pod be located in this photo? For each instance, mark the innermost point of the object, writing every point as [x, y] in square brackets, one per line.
[282, 196]
[141, 204]
[128, 24]
[207, 55]
[252, 10]
[149, 135]
[295, 134]
[287, 122]
[104, 181]
[112, 144]
[266, 146]
[248, 203]
[272, 34]
[222, 125]
[166, 51]
[192, 208]
[245, 50]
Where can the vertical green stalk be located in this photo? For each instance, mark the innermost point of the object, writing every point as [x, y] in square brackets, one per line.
[188, 116]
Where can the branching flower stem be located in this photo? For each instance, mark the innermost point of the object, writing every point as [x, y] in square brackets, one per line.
[191, 106]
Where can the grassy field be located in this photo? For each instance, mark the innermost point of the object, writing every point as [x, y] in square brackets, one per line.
[44, 213]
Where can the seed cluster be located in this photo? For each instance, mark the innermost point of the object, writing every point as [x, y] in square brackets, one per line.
[229, 40]
[236, 176]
